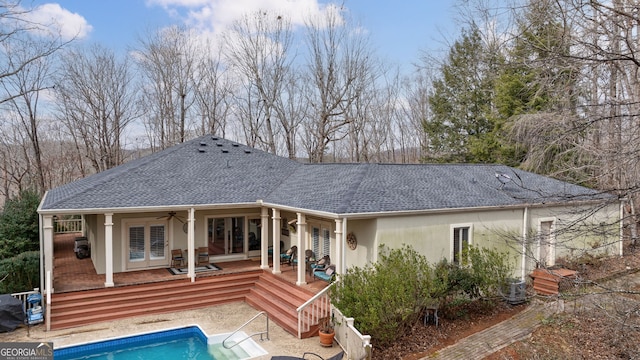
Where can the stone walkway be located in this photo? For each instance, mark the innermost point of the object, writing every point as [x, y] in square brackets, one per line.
[486, 342]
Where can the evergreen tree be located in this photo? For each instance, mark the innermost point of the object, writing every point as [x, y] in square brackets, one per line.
[461, 101]
[536, 94]
[19, 225]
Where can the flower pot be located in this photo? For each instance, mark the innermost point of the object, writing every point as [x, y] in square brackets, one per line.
[326, 338]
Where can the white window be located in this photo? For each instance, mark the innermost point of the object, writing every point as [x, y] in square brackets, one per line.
[460, 240]
[147, 243]
[320, 239]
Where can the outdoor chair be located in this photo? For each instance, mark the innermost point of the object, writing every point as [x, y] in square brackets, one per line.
[288, 256]
[322, 263]
[203, 256]
[308, 254]
[327, 274]
[177, 259]
[309, 356]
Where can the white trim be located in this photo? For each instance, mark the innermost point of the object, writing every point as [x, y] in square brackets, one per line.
[551, 255]
[146, 222]
[452, 227]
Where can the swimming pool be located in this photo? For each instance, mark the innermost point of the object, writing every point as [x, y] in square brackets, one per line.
[182, 343]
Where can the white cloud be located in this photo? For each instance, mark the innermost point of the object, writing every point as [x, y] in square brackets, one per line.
[54, 20]
[215, 16]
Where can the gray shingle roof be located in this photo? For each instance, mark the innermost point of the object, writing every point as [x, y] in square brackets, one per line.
[210, 170]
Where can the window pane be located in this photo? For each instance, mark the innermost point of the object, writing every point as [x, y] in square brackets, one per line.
[315, 240]
[255, 235]
[326, 242]
[156, 233]
[136, 243]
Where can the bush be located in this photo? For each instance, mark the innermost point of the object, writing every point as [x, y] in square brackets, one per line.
[386, 297]
[19, 225]
[482, 275]
[20, 273]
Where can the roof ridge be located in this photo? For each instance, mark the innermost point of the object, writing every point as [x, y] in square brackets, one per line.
[356, 183]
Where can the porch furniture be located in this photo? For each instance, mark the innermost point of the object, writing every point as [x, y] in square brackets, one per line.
[270, 249]
[202, 256]
[308, 255]
[322, 263]
[327, 274]
[177, 259]
[288, 256]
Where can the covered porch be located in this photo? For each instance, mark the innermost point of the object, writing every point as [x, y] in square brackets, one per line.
[73, 274]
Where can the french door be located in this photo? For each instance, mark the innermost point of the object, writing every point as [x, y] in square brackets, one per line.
[146, 244]
[225, 235]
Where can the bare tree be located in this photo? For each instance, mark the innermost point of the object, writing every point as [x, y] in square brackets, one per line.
[213, 92]
[258, 47]
[96, 101]
[339, 59]
[168, 62]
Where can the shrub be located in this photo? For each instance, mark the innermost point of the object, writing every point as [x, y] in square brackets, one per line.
[481, 275]
[386, 297]
[20, 273]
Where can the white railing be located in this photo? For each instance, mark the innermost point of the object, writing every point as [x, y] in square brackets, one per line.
[62, 226]
[316, 308]
[22, 296]
[354, 344]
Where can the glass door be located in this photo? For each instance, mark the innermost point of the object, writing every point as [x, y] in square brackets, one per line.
[147, 244]
[225, 235]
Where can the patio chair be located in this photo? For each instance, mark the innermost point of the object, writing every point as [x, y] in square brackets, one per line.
[309, 356]
[288, 256]
[203, 256]
[322, 263]
[308, 254]
[327, 274]
[177, 259]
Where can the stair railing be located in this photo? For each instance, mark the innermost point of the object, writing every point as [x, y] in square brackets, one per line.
[261, 333]
[316, 308]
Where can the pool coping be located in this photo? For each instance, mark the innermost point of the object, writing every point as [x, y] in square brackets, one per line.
[156, 335]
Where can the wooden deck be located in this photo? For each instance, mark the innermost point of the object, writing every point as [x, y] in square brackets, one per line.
[73, 274]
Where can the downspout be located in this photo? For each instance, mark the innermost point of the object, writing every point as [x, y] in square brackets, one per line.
[621, 225]
[525, 222]
[41, 236]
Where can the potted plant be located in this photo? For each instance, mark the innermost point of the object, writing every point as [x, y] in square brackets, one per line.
[326, 332]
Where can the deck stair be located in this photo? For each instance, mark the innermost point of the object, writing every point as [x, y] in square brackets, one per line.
[93, 306]
[280, 299]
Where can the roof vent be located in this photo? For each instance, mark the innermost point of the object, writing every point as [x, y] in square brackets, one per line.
[225, 151]
[201, 150]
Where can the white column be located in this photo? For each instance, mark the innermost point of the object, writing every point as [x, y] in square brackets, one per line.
[108, 249]
[47, 230]
[191, 247]
[339, 260]
[276, 241]
[264, 238]
[302, 247]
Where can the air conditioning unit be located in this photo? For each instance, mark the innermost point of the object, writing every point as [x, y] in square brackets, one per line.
[516, 292]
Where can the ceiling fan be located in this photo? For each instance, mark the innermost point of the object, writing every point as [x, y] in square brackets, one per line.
[171, 215]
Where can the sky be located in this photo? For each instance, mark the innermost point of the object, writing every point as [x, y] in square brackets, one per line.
[399, 30]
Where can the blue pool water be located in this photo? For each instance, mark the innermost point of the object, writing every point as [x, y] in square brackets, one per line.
[183, 343]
